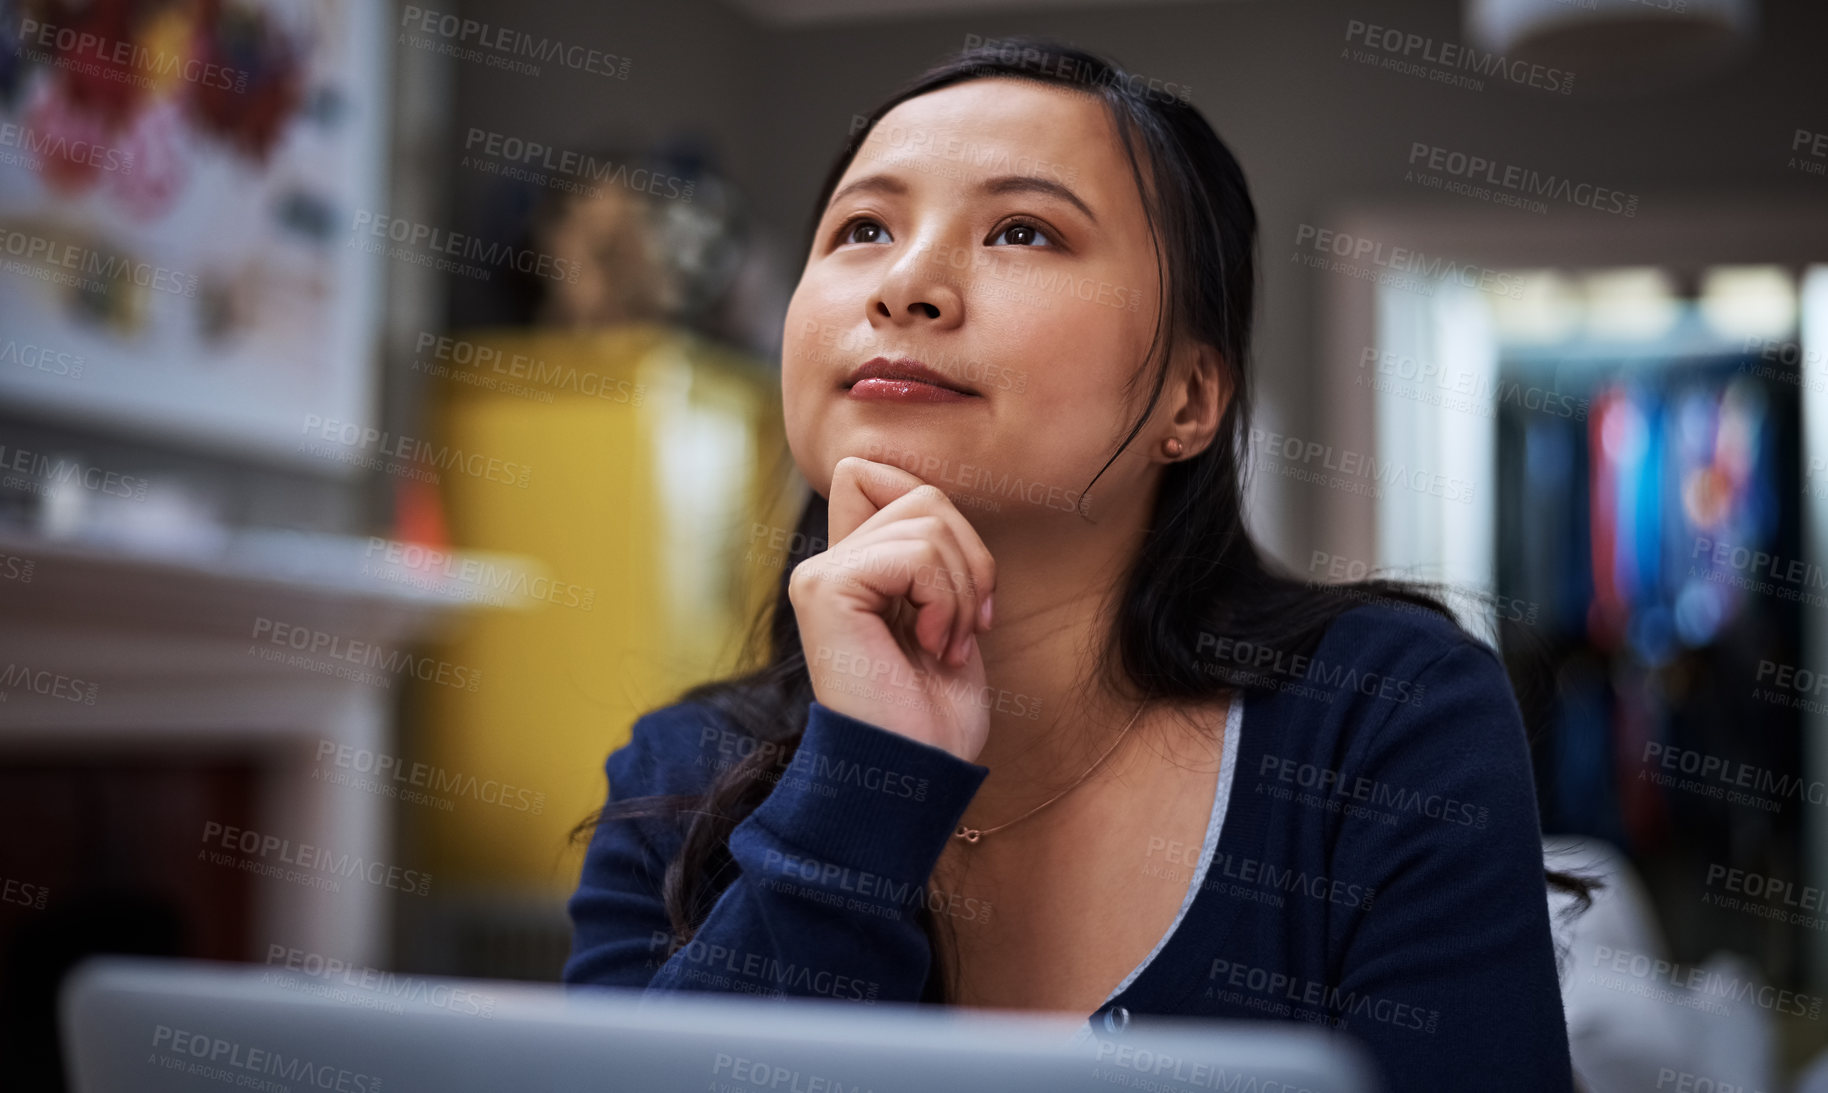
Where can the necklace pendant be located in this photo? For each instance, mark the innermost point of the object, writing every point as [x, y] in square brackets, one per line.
[969, 834]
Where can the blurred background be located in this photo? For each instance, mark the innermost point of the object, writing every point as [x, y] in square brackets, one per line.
[389, 415]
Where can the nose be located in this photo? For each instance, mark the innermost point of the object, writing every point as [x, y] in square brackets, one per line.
[916, 293]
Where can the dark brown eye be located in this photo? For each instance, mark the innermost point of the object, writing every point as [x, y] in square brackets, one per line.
[1022, 234]
[862, 230]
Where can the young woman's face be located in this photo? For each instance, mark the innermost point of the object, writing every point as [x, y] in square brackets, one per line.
[991, 230]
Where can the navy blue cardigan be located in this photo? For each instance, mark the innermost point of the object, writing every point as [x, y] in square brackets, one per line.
[1379, 868]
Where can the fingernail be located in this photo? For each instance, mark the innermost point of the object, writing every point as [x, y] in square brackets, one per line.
[970, 644]
[984, 610]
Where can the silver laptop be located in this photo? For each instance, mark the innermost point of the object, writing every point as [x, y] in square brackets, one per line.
[142, 1024]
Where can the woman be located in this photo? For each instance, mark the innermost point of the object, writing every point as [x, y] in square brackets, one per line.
[1040, 728]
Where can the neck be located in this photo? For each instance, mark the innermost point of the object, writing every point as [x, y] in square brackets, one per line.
[1058, 589]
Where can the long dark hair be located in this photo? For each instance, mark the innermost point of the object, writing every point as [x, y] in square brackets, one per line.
[1198, 572]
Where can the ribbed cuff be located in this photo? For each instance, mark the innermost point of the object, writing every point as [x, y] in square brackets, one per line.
[862, 796]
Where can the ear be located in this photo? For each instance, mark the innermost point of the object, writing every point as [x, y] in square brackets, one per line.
[1202, 391]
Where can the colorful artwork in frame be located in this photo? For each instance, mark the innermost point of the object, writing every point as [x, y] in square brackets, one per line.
[175, 176]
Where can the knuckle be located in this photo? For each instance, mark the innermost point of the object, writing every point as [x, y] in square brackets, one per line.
[804, 576]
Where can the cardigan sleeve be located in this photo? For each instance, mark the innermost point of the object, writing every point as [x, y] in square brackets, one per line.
[1450, 979]
[829, 869]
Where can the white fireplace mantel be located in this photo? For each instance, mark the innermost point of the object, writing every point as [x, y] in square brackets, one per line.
[171, 649]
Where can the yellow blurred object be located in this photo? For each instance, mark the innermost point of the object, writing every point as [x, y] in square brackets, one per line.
[654, 455]
[167, 37]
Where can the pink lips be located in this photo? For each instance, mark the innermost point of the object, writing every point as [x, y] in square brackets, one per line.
[903, 391]
[903, 380]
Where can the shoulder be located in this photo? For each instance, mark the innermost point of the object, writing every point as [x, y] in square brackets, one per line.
[1398, 635]
[1409, 657]
[1432, 708]
[674, 749]
[1390, 683]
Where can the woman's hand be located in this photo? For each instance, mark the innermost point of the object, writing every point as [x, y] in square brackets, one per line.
[889, 614]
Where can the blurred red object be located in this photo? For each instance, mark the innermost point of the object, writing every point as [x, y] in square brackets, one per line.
[419, 514]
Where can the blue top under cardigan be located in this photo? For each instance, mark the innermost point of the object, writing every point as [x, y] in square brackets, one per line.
[1379, 867]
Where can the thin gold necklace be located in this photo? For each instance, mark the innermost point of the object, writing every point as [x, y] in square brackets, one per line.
[973, 834]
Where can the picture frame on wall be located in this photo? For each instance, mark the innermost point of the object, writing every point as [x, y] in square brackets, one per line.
[175, 199]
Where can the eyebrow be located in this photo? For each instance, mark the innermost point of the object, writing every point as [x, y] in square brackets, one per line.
[1002, 184]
